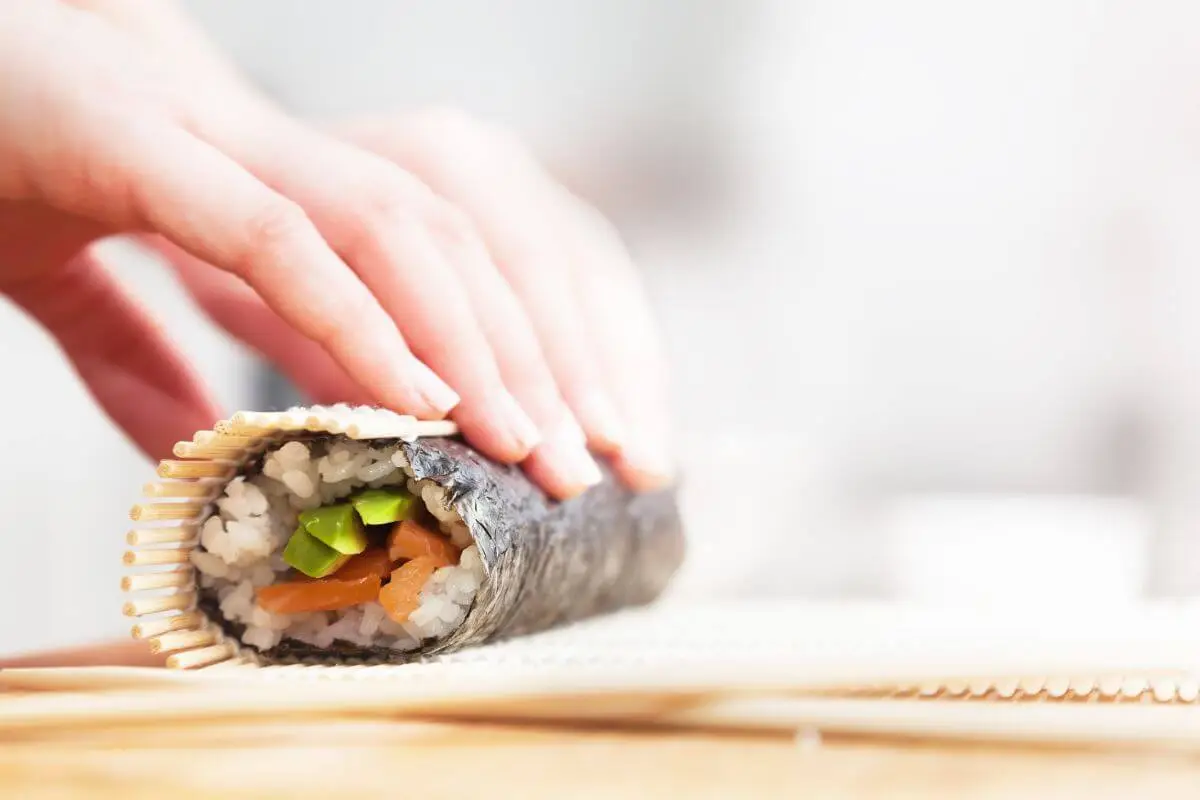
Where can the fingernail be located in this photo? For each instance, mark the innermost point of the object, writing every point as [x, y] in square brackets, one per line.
[567, 428]
[573, 467]
[604, 425]
[651, 467]
[436, 393]
[518, 424]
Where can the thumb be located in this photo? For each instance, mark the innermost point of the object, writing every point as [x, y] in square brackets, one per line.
[123, 356]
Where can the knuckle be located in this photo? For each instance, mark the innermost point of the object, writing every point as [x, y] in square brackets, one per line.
[525, 256]
[450, 225]
[387, 203]
[330, 329]
[271, 231]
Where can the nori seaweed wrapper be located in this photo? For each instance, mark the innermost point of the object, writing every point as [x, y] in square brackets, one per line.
[548, 563]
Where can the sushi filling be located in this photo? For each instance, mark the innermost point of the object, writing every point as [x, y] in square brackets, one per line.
[333, 540]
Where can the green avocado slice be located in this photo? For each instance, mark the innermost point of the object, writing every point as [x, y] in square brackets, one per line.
[384, 506]
[336, 526]
[311, 556]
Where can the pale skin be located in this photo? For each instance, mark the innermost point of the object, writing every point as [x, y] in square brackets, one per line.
[425, 263]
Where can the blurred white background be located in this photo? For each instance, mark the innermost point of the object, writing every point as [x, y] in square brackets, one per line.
[927, 273]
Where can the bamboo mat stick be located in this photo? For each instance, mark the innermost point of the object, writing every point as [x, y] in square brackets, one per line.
[330, 731]
[54, 710]
[175, 534]
[180, 577]
[104, 658]
[187, 470]
[1117, 725]
[1133, 724]
[155, 627]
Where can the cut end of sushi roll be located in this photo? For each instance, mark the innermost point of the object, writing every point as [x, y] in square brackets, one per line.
[340, 535]
[326, 540]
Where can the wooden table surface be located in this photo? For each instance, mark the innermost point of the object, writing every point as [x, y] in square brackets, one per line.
[328, 755]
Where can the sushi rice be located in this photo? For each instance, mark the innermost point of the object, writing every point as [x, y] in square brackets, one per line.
[241, 546]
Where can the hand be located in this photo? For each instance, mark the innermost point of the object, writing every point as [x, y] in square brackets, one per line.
[569, 270]
[334, 259]
[553, 289]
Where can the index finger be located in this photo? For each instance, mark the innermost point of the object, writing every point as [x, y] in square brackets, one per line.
[209, 205]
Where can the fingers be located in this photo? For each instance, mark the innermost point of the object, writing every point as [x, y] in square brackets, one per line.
[537, 274]
[237, 308]
[618, 314]
[501, 193]
[405, 244]
[577, 284]
[561, 462]
[210, 206]
[415, 282]
[129, 366]
[421, 278]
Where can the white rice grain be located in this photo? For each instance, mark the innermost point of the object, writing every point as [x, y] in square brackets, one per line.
[261, 574]
[262, 638]
[373, 615]
[273, 468]
[242, 500]
[435, 499]
[449, 612]
[425, 614]
[209, 564]
[299, 482]
[336, 467]
[391, 479]
[471, 561]
[294, 453]
[246, 542]
[213, 536]
[239, 603]
[389, 627]
[375, 470]
[463, 582]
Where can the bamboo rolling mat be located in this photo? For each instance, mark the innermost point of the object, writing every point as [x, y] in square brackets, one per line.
[1115, 677]
[160, 579]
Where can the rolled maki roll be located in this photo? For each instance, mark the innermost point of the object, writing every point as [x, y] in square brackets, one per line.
[339, 535]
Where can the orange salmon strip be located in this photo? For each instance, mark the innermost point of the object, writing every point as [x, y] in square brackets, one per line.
[402, 596]
[326, 594]
[369, 562]
[410, 540]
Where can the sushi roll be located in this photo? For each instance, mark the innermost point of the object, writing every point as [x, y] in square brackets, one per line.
[356, 535]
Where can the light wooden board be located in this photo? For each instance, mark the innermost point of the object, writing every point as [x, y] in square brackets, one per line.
[328, 757]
